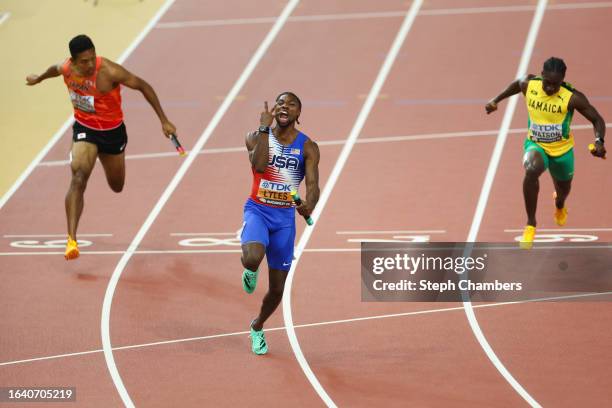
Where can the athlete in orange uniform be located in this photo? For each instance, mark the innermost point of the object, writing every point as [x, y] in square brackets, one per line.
[94, 84]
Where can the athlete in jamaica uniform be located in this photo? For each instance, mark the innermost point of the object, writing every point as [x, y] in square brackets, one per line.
[94, 84]
[280, 158]
[551, 103]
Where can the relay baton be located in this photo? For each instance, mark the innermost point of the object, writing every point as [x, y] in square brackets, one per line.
[177, 145]
[592, 149]
[298, 201]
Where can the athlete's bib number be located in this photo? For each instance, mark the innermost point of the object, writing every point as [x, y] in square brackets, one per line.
[83, 103]
[546, 133]
[274, 193]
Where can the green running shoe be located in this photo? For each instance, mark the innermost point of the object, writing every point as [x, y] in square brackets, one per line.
[258, 341]
[249, 280]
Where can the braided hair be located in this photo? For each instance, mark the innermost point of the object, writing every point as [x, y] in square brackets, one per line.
[554, 64]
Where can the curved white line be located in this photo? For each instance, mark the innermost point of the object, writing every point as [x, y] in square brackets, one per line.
[216, 119]
[329, 186]
[305, 325]
[110, 289]
[484, 196]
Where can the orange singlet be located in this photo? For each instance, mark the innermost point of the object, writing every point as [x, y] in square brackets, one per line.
[93, 109]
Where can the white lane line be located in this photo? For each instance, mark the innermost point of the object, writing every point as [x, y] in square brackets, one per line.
[306, 325]
[205, 234]
[141, 156]
[53, 357]
[168, 251]
[396, 240]
[214, 23]
[112, 284]
[338, 142]
[511, 9]
[484, 197]
[578, 6]
[329, 186]
[378, 15]
[57, 136]
[392, 232]
[4, 16]
[238, 251]
[55, 253]
[564, 230]
[53, 235]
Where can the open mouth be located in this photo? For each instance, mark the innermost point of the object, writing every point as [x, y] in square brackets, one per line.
[283, 117]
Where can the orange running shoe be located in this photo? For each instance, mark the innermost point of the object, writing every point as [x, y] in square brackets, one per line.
[72, 249]
[527, 238]
[560, 214]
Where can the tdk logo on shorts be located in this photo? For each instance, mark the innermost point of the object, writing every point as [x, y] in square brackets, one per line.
[283, 162]
[270, 185]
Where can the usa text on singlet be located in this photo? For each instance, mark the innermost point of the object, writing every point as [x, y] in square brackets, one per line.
[284, 172]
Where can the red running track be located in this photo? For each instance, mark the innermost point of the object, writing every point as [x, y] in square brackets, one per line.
[453, 60]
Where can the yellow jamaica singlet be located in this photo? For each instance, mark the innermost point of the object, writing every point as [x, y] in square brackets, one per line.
[549, 119]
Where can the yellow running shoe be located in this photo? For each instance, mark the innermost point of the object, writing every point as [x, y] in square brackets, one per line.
[560, 214]
[527, 238]
[72, 249]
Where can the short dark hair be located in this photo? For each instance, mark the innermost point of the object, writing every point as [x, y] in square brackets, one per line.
[554, 64]
[291, 94]
[296, 98]
[79, 44]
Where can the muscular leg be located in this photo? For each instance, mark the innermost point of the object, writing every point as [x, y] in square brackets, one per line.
[83, 160]
[279, 256]
[252, 255]
[563, 189]
[114, 168]
[533, 162]
[273, 297]
[254, 238]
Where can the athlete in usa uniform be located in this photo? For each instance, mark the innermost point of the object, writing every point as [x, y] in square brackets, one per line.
[94, 85]
[280, 159]
[550, 103]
